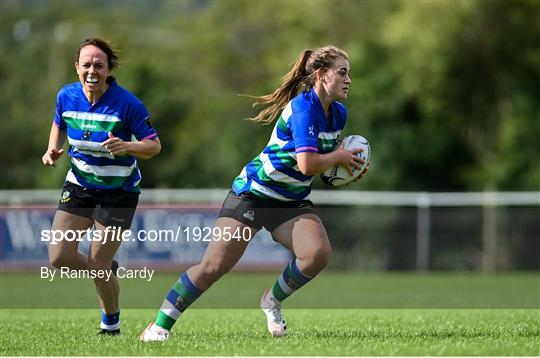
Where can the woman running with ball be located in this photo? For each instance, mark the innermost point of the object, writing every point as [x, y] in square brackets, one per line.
[99, 118]
[272, 189]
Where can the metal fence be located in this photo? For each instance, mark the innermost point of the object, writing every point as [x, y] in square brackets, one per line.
[487, 231]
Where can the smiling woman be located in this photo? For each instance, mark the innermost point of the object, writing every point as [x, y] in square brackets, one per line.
[94, 62]
[99, 119]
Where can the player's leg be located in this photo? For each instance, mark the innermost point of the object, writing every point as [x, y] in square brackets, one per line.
[64, 253]
[112, 217]
[306, 237]
[222, 253]
[72, 218]
[220, 257]
[100, 260]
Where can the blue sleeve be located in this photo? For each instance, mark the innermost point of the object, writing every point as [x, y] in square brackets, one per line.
[58, 120]
[139, 122]
[305, 132]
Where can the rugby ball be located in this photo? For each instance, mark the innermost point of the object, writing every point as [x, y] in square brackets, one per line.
[338, 175]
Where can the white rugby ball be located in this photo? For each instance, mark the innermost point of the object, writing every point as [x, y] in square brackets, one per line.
[338, 175]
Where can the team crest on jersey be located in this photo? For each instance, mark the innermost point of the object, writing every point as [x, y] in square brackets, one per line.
[65, 197]
[86, 134]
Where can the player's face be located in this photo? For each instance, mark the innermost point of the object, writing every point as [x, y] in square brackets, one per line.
[93, 69]
[336, 80]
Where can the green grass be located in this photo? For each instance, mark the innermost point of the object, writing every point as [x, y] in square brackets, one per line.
[336, 314]
[349, 291]
[311, 332]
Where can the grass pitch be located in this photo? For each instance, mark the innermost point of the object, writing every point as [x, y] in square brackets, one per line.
[311, 332]
[336, 314]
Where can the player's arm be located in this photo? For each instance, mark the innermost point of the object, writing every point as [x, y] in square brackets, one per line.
[304, 128]
[143, 149]
[311, 163]
[57, 137]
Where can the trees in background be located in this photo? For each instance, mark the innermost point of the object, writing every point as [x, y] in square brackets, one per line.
[448, 92]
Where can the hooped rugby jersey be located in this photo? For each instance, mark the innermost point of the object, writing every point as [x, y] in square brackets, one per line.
[117, 111]
[301, 127]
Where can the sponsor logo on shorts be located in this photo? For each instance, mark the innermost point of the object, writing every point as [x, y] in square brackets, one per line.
[311, 130]
[250, 215]
[117, 219]
[65, 197]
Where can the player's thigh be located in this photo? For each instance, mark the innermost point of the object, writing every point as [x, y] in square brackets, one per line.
[68, 228]
[102, 251]
[224, 250]
[304, 235]
[116, 209]
[112, 218]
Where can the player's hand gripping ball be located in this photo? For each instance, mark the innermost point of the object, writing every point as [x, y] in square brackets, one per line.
[338, 175]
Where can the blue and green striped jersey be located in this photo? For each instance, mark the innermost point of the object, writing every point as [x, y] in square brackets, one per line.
[117, 111]
[302, 127]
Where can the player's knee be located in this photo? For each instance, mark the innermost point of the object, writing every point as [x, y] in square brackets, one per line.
[322, 256]
[318, 258]
[99, 264]
[212, 270]
[58, 261]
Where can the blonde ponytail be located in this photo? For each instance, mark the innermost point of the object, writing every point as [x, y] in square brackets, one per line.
[301, 77]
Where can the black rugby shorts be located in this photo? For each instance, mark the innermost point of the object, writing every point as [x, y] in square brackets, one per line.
[257, 212]
[107, 207]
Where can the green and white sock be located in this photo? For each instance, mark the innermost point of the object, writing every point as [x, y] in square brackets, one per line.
[181, 295]
[290, 280]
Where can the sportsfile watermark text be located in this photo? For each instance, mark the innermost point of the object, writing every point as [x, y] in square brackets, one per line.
[115, 233]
